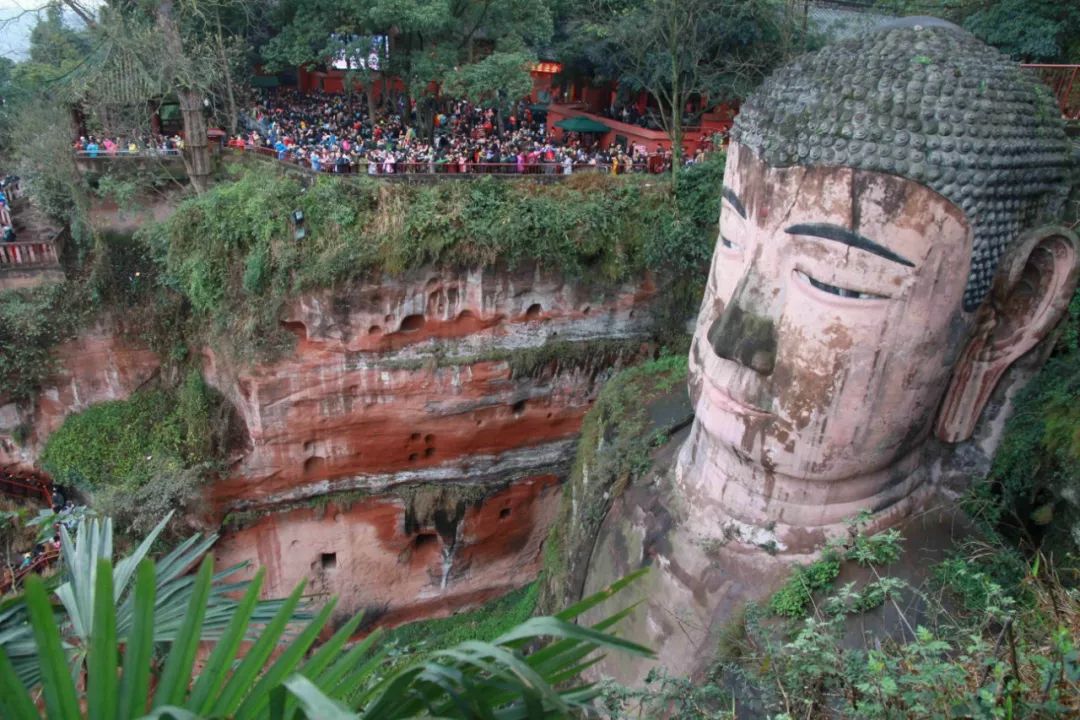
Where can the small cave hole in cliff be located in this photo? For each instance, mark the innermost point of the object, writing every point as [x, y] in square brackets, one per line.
[313, 466]
[429, 452]
[414, 437]
[296, 327]
[518, 408]
[466, 314]
[424, 540]
[533, 310]
[504, 513]
[586, 310]
[412, 323]
[374, 330]
[429, 438]
[328, 560]
[413, 457]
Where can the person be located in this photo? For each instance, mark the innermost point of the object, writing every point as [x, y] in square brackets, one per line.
[92, 148]
[567, 164]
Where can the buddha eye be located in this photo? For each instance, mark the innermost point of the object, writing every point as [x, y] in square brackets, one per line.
[835, 290]
[729, 244]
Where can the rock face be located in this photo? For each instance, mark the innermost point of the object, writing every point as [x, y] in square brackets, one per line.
[382, 556]
[408, 454]
[98, 366]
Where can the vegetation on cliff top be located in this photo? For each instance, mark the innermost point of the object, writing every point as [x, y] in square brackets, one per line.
[221, 268]
[231, 252]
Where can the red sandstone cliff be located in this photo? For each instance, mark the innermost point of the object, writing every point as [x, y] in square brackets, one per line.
[396, 458]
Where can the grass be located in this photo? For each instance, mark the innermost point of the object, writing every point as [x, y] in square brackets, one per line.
[485, 623]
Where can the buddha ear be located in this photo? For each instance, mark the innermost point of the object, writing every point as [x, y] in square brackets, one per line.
[1031, 292]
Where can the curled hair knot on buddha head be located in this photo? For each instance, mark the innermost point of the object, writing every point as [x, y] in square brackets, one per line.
[927, 102]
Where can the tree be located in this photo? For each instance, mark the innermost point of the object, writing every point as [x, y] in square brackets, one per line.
[432, 44]
[1045, 31]
[128, 67]
[679, 50]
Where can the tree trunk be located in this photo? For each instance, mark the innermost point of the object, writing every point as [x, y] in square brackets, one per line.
[230, 96]
[677, 103]
[196, 152]
[196, 146]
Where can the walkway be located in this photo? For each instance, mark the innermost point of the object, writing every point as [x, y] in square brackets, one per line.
[535, 171]
[33, 259]
[22, 486]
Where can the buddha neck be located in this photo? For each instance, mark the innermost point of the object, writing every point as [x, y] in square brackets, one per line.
[725, 491]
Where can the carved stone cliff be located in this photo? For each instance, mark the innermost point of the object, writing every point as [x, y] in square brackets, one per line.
[408, 454]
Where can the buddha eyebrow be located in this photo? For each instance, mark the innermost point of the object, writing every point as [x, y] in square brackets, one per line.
[735, 201]
[847, 237]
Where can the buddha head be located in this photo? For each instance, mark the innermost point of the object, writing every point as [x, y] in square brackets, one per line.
[882, 260]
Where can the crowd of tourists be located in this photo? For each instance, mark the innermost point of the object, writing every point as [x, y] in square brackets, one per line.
[9, 192]
[335, 133]
[96, 146]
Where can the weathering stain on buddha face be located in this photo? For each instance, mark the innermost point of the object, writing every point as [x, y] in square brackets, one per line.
[828, 328]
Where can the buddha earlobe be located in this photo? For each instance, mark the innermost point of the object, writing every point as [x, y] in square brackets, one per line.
[1031, 292]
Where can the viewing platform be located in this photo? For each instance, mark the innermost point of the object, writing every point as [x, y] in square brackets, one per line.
[33, 259]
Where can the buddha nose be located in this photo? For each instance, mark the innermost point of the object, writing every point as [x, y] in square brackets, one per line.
[745, 338]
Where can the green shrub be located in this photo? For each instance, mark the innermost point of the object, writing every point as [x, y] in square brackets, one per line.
[32, 322]
[126, 442]
[144, 456]
[995, 657]
[230, 252]
[114, 441]
[795, 598]
[615, 446]
[484, 624]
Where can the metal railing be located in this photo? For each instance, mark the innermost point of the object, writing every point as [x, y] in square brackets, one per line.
[102, 154]
[11, 577]
[377, 168]
[27, 254]
[24, 485]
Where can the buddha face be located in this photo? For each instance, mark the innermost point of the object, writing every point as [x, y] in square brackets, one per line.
[830, 326]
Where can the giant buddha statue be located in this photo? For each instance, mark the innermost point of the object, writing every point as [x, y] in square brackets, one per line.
[881, 261]
[886, 253]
